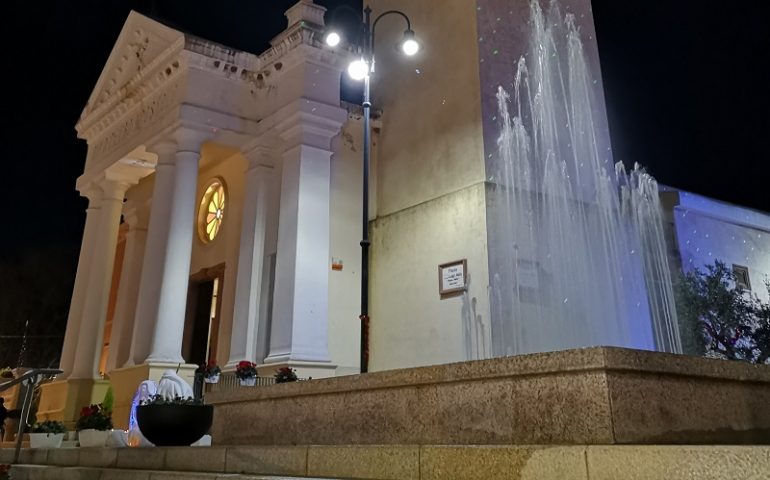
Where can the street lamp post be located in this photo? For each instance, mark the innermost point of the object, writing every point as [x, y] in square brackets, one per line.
[362, 69]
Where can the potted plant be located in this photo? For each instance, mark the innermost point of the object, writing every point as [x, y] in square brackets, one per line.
[211, 372]
[285, 375]
[6, 372]
[47, 434]
[177, 422]
[93, 426]
[246, 372]
[174, 417]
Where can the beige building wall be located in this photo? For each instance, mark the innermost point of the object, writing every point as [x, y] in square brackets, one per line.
[430, 193]
[230, 166]
[345, 249]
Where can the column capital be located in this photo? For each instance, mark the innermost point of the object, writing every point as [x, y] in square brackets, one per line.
[183, 139]
[93, 193]
[307, 122]
[137, 214]
[261, 157]
[113, 189]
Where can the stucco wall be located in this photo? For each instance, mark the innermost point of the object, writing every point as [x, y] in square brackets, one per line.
[345, 231]
[429, 188]
[411, 324]
[431, 125]
[230, 167]
[709, 230]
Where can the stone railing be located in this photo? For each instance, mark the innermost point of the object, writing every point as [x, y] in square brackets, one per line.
[228, 382]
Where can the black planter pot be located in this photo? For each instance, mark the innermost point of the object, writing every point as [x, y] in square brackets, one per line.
[174, 425]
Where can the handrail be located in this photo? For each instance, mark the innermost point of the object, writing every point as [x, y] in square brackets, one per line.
[47, 372]
[30, 379]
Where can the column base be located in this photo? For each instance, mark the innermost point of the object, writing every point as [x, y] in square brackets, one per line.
[126, 380]
[303, 369]
[62, 400]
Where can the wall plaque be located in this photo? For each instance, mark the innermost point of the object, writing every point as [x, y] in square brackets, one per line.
[452, 277]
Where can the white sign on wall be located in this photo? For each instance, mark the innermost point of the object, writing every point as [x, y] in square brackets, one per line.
[452, 277]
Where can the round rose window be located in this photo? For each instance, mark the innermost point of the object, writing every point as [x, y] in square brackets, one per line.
[211, 211]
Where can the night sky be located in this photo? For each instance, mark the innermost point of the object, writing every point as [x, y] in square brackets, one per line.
[686, 84]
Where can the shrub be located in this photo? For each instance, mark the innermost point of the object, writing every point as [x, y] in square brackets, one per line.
[211, 369]
[246, 369]
[720, 319]
[95, 417]
[50, 427]
[160, 400]
[285, 375]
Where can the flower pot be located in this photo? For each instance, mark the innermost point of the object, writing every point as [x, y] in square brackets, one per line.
[212, 379]
[93, 438]
[45, 440]
[248, 382]
[174, 425]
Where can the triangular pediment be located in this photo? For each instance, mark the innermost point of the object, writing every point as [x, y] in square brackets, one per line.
[141, 42]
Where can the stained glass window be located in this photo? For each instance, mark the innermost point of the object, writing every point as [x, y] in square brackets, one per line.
[211, 212]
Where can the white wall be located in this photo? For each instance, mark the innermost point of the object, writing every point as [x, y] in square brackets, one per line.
[707, 230]
[345, 231]
[411, 324]
[430, 190]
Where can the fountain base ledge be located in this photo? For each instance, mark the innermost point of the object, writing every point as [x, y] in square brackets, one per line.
[592, 396]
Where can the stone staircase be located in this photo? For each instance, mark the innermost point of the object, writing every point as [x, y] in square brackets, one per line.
[396, 462]
[40, 472]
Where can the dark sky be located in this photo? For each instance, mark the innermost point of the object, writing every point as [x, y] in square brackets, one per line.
[686, 83]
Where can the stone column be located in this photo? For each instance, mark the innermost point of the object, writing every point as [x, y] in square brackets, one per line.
[299, 331]
[160, 312]
[248, 285]
[81, 281]
[91, 328]
[135, 217]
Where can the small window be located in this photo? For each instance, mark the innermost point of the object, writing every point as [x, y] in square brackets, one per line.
[742, 277]
[211, 212]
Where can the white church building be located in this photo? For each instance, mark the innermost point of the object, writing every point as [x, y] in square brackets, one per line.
[224, 201]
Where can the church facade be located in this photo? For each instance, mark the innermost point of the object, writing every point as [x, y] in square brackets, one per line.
[224, 210]
[224, 201]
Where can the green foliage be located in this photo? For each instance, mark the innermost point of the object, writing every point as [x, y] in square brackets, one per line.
[211, 369]
[109, 400]
[246, 369]
[94, 416]
[720, 319]
[159, 400]
[285, 375]
[49, 426]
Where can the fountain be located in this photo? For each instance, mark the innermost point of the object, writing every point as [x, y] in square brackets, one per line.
[577, 254]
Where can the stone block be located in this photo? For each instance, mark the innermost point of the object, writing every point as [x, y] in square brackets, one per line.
[669, 462]
[592, 396]
[381, 462]
[64, 457]
[6, 455]
[141, 458]
[267, 460]
[499, 462]
[184, 476]
[74, 473]
[114, 474]
[97, 457]
[197, 459]
[33, 456]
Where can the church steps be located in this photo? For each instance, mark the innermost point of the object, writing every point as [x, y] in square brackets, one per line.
[42, 472]
[396, 462]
